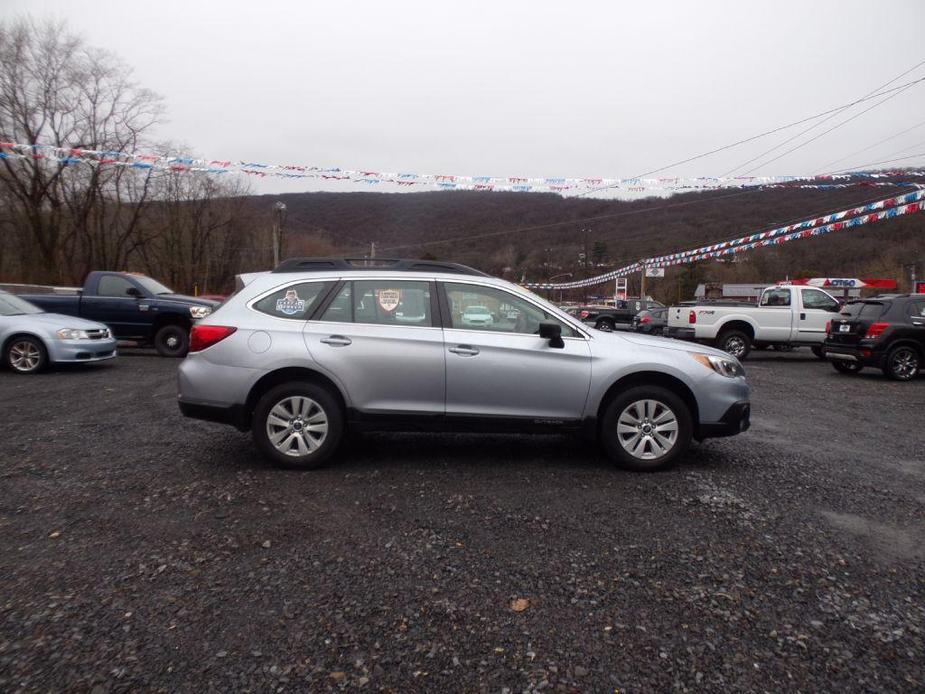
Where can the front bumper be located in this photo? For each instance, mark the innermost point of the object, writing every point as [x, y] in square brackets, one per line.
[735, 420]
[73, 351]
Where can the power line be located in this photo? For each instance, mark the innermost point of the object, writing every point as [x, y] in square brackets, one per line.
[883, 161]
[824, 120]
[760, 135]
[834, 127]
[870, 147]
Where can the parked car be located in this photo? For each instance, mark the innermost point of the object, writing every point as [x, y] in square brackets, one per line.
[32, 339]
[784, 315]
[885, 332]
[477, 317]
[312, 349]
[607, 318]
[651, 321]
[134, 307]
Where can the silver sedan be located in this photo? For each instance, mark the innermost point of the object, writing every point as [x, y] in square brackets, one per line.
[32, 339]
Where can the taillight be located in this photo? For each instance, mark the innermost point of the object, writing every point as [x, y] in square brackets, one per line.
[828, 326]
[645, 319]
[876, 330]
[692, 317]
[204, 336]
[583, 314]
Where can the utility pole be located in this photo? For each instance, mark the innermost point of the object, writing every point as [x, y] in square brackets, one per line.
[278, 217]
[642, 284]
[372, 249]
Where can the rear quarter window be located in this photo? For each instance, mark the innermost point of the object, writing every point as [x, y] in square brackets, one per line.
[294, 302]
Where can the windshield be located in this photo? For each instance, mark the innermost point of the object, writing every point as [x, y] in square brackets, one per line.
[153, 286]
[11, 305]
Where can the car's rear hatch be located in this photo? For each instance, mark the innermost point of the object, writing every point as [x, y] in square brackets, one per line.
[854, 322]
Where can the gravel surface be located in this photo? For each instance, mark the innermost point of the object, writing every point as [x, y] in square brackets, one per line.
[143, 551]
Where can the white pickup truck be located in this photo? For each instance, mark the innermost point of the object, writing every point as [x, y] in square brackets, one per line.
[785, 315]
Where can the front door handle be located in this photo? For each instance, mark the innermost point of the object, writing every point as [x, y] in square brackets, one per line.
[802, 316]
[465, 350]
[337, 341]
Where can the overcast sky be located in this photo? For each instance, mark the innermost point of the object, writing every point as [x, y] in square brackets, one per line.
[564, 88]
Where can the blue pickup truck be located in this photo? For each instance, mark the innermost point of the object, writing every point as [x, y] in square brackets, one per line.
[135, 307]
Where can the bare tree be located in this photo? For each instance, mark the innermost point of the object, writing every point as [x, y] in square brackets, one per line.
[55, 90]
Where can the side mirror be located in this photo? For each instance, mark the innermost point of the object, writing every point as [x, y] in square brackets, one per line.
[134, 291]
[552, 332]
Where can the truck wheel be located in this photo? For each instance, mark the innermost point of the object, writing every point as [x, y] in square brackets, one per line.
[736, 343]
[902, 363]
[646, 428]
[605, 324]
[819, 351]
[298, 425]
[26, 354]
[847, 367]
[172, 341]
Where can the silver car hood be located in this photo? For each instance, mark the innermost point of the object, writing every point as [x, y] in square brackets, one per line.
[667, 343]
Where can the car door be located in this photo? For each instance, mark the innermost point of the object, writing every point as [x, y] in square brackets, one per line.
[506, 369]
[381, 339]
[816, 310]
[127, 315]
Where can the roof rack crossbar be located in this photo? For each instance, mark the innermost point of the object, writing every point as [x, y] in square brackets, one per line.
[391, 264]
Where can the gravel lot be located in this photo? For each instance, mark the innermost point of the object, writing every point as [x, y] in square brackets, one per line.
[143, 551]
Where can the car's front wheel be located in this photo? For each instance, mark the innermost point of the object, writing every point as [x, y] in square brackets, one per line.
[298, 425]
[847, 367]
[172, 341]
[646, 428]
[26, 354]
[902, 363]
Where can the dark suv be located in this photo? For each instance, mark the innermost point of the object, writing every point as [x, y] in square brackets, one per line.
[887, 332]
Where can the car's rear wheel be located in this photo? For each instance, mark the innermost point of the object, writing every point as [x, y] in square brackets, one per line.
[172, 341]
[736, 343]
[847, 367]
[298, 425]
[605, 324]
[26, 354]
[902, 363]
[646, 428]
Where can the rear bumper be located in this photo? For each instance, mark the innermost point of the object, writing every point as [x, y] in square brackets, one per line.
[734, 421]
[681, 334]
[859, 355]
[235, 415]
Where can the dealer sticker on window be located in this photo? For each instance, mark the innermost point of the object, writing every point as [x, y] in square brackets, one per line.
[388, 299]
[290, 304]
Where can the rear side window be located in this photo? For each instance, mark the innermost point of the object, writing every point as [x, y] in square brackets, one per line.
[917, 309]
[294, 302]
[382, 302]
[776, 297]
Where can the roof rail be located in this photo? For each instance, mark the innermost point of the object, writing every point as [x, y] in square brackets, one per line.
[391, 264]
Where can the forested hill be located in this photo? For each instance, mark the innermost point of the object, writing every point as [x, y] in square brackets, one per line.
[496, 231]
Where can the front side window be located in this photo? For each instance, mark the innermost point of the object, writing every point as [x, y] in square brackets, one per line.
[812, 298]
[295, 302]
[776, 297]
[485, 308]
[113, 285]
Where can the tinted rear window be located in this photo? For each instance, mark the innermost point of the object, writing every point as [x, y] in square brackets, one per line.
[864, 310]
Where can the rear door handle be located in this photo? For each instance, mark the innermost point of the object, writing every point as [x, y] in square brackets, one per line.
[337, 341]
[465, 350]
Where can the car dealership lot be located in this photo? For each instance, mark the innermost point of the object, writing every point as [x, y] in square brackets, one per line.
[142, 550]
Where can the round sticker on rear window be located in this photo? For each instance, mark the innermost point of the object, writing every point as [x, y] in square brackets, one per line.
[388, 299]
[290, 304]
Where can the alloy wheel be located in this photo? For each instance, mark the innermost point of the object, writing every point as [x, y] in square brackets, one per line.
[647, 429]
[905, 363]
[735, 346]
[297, 426]
[25, 356]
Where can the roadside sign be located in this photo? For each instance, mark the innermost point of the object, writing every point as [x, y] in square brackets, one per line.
[620, 289]
[920, 287]
[655, 272]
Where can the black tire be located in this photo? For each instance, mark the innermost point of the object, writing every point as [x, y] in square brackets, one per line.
[172, 341]
[610, 434]
[735, 342]
[903, 363]
[847, 367]
[605, 324]
[326, 404]
[819, 351]
[25, 354]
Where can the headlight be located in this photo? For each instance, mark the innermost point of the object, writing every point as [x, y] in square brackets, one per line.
[724, 366]
[199, 311]
[73, 334]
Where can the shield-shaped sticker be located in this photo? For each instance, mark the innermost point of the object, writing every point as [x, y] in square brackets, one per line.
[388, 299]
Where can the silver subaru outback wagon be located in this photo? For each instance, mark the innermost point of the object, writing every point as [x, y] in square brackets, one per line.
[322, 346]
